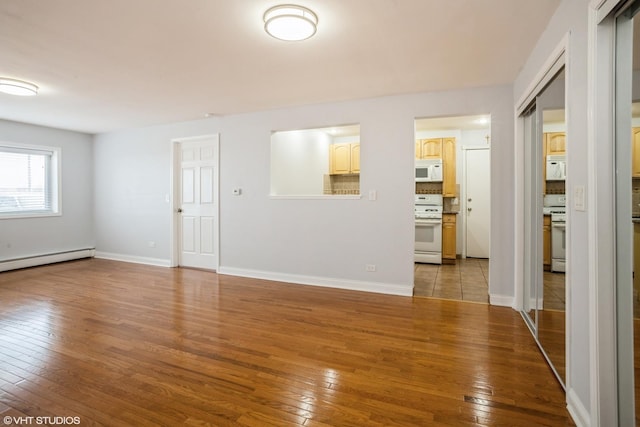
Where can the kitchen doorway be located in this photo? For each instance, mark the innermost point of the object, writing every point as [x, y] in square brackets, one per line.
[461, 144]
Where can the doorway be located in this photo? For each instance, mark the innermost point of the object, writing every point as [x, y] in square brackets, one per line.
[462, 144]
[195, 202]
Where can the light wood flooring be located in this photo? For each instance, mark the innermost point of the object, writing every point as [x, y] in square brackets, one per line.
[120, 344]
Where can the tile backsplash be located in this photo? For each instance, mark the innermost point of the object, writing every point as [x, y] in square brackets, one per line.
[428, 188]
[555, 187]
[341, 184]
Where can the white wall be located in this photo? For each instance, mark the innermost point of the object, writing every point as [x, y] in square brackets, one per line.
[73, 230]
[571, 17]
[299, 161]
[316, 241]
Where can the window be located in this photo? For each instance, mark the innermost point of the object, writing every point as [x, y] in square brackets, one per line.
[28, 181]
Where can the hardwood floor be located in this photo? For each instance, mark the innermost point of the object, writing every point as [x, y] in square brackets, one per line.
[120, 344]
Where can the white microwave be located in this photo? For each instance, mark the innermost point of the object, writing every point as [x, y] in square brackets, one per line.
[429, 170]
[556, 168]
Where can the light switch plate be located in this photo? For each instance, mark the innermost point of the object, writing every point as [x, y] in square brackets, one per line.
[579, 203]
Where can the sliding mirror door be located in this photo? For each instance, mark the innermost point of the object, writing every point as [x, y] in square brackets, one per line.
[544, 265]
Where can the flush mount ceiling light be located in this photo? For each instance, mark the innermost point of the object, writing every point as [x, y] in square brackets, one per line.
[17, 87]
[290, 22]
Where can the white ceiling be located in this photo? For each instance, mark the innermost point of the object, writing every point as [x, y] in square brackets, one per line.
[107, 65]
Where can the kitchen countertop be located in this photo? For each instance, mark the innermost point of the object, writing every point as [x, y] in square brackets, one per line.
[456, 212]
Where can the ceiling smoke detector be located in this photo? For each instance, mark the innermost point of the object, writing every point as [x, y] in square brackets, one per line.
[290, 22]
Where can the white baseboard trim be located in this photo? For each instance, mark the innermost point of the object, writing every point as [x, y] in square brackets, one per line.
[501, 300]
[36, 260]
[134, 259]
[354, 285]
[577, 410]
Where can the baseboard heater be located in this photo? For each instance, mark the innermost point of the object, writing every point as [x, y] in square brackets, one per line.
[35, 260]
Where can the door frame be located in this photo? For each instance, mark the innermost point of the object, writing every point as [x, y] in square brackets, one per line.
[174, 187]
[602, 263]
[465, 149]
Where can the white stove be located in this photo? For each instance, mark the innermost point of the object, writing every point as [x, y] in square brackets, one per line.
[428, 218]
[428, 206]
[555, 205]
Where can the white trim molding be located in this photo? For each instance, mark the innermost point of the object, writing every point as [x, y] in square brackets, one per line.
[134, 259]
[601, 214]
[354, 285]
[577, 410]
[503, 301]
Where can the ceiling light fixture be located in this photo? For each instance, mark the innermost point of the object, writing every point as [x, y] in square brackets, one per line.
[17, 87]
[290, 22]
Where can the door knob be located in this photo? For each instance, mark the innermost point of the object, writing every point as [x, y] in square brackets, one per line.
[179, 210]
[469, 199]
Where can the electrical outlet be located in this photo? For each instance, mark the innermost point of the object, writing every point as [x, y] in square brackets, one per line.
[370, 267]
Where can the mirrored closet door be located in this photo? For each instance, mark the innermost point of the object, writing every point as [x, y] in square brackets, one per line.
[544, 263]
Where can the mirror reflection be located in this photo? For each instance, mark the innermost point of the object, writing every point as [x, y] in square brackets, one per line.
[545, 222]
[315, 162]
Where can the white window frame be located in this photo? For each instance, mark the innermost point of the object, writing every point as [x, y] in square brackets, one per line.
[54, 181]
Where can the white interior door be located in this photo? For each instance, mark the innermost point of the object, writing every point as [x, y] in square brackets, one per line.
[477, 202]
[198, 203]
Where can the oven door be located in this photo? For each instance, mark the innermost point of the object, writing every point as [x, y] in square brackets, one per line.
[558, 245]
[429, 235]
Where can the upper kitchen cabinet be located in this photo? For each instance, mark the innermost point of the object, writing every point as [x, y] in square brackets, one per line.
[355, 158]
[344, 158]
[555, 143]
[635, 149]
[449, 166]
[429, 148]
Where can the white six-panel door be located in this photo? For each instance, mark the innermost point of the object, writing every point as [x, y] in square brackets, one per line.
[198, 203]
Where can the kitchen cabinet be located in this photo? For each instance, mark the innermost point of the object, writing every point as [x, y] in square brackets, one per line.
[344, 159]
[448, 238]
[355, 158]
[546, 242]
[429, 148]
[449, 167]
[635, 149]
[555, 143]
